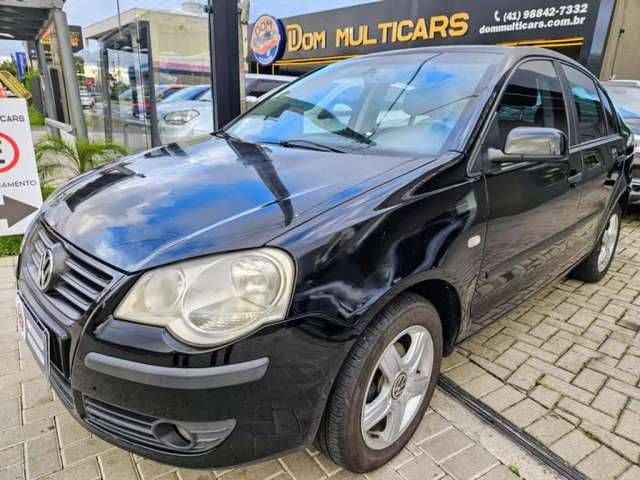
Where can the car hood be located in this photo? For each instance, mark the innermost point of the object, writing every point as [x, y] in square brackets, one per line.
[206, 196]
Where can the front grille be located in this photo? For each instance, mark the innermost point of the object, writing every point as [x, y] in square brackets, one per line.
[81, 283]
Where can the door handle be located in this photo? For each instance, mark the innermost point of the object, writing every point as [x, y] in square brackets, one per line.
[574, 179]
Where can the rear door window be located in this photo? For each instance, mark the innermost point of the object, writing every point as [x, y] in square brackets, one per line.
[589, 108]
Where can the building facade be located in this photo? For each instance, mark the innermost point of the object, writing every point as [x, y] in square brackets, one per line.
[586, 30]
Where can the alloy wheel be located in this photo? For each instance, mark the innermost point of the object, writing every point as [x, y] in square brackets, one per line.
[397, 387]
[608, 243]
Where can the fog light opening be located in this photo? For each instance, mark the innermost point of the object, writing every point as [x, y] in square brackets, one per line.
[173, 435]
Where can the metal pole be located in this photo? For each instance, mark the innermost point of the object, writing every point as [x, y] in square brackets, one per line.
[119, 19]
[106, 93]
[212, 63]
[49, 104]
[226, 65]
[71, 84]
[244, 50]
[145, 29]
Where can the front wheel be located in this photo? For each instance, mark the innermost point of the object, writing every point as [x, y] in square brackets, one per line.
[384, 387]
[593, 268]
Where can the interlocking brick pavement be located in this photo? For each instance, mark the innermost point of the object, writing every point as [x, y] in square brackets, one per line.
[565, 366]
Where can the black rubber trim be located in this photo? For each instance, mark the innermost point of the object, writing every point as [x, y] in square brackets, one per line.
[178, 378]
[510, 430]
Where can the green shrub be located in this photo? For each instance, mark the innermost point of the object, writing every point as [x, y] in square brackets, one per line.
[78, 157]
[36, 119]
[10, 245]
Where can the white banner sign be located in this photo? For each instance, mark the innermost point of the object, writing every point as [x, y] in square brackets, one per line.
[20, 194]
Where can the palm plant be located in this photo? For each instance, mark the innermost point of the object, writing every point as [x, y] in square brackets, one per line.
[58, 158]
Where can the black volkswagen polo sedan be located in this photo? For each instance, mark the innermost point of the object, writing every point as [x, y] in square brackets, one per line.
[298, 276]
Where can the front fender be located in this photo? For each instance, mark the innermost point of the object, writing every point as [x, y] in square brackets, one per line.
[355, 258]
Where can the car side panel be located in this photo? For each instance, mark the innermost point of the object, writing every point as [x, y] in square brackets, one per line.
[599, 178]
[532, 214]
[424, 225]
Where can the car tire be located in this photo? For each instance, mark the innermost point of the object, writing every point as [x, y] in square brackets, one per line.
[397, 333]
[593, 268]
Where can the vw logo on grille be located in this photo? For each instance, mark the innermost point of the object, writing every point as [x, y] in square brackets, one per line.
[52, 264]
[45, 270]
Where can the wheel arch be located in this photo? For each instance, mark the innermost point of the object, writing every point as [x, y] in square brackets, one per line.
[441, 293]
[444, 297]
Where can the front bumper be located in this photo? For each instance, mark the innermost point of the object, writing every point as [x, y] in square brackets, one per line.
[175, 133]
[137, 387]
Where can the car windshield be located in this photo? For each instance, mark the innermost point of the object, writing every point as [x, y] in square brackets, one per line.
[189, 93]
[408, 104]
[627, 99]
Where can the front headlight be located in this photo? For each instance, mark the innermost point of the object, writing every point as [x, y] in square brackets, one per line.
[180, 117]
[213, 300]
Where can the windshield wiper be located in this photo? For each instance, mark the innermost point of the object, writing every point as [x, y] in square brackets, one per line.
[308, 144]
[224, 134]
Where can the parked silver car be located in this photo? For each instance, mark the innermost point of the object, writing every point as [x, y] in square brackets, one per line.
[626, 96]
[189, 118]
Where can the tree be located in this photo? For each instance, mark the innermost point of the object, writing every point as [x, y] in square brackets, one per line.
[78, 157]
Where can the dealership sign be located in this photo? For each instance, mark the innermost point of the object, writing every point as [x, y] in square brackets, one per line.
[389, 24]
[267, 39]
[20, 195]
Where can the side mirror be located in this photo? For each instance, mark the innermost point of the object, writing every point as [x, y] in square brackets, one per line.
[531, 144]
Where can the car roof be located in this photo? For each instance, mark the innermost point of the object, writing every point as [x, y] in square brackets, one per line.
[511, 54]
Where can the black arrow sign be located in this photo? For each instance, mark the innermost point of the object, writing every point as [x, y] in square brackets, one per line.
[13, 211]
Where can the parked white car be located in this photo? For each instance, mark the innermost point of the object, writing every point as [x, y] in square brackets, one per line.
[87, 99]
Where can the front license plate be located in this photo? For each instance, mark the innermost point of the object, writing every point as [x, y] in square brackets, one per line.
[36, 337]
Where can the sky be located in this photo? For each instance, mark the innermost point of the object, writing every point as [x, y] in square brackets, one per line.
[85, 12]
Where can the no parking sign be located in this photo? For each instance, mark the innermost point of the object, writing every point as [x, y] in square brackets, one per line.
[20, 195]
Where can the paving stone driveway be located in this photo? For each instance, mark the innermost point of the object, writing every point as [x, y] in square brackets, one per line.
[565, 366]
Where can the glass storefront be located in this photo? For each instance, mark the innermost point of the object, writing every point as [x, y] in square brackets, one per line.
[146, 78]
